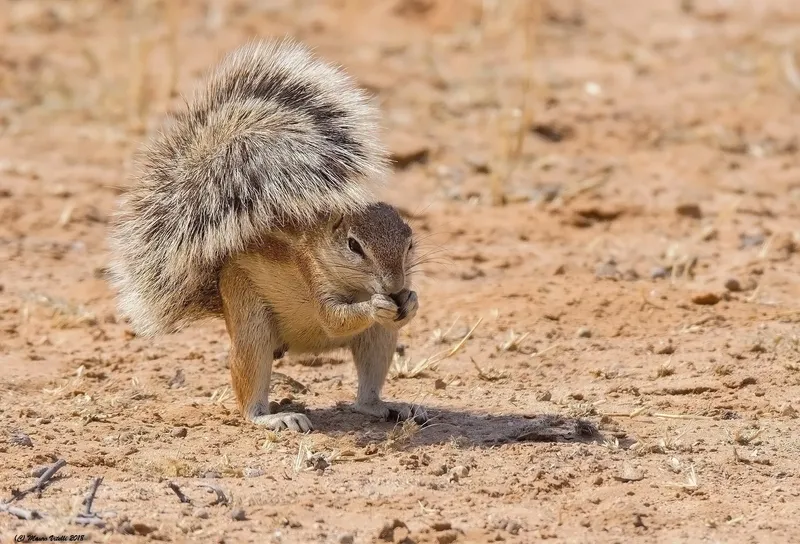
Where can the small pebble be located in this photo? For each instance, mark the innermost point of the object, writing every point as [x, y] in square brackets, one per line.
[447, 537]
[544, 396]
[789, 411]
[706, 298]
[659, 273]
[238, 514]
[733, 285]
[179, 432]
[584, 332]
[629, 474]
[38, 471]
[439, 384]
[607, 270]
[709, 233]
[461, 470]
[751, 240]
[21, 439]
[441, 526]
[200, 513]
[250, 472]
[689, 209]
[346, 538]
[665, 348]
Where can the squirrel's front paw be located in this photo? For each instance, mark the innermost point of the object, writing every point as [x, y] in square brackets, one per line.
[395, 311]
[284, 420]
[407, 305]
[384, 310]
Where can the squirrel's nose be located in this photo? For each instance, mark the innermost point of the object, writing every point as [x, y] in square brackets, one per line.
[394, 285]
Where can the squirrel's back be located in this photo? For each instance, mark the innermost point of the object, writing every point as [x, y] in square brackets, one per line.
[274, 138]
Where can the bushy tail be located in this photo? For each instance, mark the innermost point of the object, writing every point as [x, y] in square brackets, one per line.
[274, 137]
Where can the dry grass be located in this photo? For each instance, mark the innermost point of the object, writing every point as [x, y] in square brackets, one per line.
[513, 342]
[401, 434]
[665, 369]
[514, 124]
[744, 436]
[65, 315]
[490, 375]
[403, 367]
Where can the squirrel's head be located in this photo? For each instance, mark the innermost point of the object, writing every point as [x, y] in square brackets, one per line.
[369, 252]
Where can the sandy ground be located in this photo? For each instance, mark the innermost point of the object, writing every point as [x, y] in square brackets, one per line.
[634, 369]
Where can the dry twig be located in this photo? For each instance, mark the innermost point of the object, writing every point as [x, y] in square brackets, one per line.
[21, 513]
[39, 486]
[177, 490]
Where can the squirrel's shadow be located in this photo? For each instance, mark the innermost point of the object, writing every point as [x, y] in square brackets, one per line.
[467, 428]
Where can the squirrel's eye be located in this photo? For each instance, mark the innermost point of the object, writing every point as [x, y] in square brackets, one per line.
[354, 246]
[410, 245]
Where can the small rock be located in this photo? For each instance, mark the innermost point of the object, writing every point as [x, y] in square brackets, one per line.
[629, 474]
[178, 380]
[346, 538]
[553, 132]
[751, 240]
[705, 299]
[318, 462]
[548, 192]
[789, 411]
[689, 209]
[387, 532]
[665, 348]
[21, 439]
[709, 233]
[584, 332]
[509, 525]
[38, 471]
[659, 273]
[200, 513]
[733, 285]
[142, 529]
[439, 384]
[407, 151]
[607, 270]
[472, 273]
[461, 470]
[630, 275]
[544, 396]
[447, 537]
[238, 514]
[441, 526]
[479, 165]
[441, 470]
[251, 472]
[179, 432]
[598, 481]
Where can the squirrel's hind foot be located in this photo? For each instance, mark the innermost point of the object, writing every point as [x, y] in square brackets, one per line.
[284, 420]
[392, 411]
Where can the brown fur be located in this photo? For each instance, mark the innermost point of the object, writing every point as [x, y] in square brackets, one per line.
[254, 203]
[308, 292]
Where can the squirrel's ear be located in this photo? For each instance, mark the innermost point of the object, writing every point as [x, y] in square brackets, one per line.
[337, 222]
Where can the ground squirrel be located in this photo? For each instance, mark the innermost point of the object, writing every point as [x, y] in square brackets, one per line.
[254, 203]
